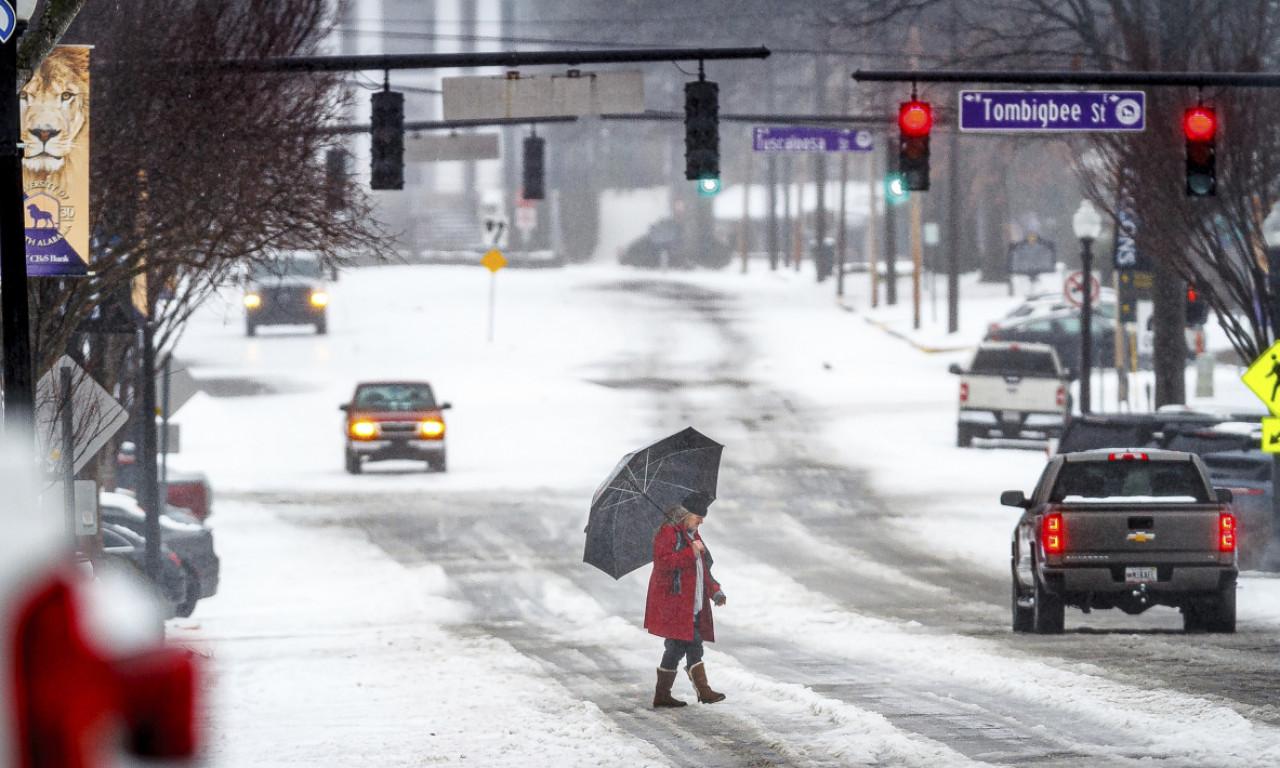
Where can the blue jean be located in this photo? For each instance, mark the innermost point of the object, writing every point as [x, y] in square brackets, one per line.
[677, 649]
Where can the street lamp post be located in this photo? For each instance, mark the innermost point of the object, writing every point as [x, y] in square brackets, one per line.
[19, 390]
[1087, 225]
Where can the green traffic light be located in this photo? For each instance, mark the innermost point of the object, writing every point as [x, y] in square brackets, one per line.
[708, 186]
[895, 188]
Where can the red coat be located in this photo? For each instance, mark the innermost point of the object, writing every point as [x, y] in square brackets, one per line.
[668, 612]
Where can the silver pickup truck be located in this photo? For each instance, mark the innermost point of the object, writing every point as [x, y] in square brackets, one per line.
[1128, 529]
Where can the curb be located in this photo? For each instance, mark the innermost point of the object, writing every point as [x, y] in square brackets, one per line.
[902, 336]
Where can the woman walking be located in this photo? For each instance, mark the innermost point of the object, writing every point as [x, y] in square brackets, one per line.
[681, 591]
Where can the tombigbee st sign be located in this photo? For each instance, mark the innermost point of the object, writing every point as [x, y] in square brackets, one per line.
[1040, 111]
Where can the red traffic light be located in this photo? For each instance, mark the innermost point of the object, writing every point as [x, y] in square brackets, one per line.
[915, 118]
[1200, 123]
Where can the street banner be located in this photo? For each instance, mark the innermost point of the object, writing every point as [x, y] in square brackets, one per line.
[795, 138]
[55, 164]
[1035, 111]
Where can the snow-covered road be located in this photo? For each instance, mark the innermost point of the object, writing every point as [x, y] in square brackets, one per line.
[411, 618]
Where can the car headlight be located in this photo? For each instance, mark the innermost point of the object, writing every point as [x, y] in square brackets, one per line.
[319, 298]
[363, 429]
[431, 428]
[252, 300]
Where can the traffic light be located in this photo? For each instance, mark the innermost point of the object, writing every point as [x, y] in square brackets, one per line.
[534, 153]
[701, 130]
[1197, 307]
[895, 188]
[388, 140]
[1200, 124]
[915, 119]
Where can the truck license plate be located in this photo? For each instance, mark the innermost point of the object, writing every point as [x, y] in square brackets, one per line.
[1139, 574]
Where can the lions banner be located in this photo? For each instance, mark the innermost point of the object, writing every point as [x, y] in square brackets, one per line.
[55, 163]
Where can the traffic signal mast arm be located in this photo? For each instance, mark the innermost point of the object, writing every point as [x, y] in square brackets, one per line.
[1056, 77]
[507, 59]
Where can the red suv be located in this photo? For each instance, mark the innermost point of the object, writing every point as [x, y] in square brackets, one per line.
[394, 420]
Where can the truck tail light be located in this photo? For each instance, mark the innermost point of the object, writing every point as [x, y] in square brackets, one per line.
[1127, 457]
[1062, 396]
[964, 392]
[1053, 534]
[1226, 532]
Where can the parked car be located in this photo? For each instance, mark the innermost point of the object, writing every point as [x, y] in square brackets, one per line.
[1247, 473]
[1061, 330]
[183, 488]
[1048, 302]
[287, 290]
[1172, 428]
[177, 587]
[189, 539]
[394, 420]
[1011, 390]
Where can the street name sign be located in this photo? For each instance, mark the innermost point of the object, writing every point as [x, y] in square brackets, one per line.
[454, 146]
[1263, 378]
[1049, 111]
[794, 138]
[517, 97]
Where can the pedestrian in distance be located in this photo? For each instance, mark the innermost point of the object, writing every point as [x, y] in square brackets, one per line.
[681, 591]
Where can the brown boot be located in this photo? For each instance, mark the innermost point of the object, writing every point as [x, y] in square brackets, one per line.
[662, 693]
[698, 674]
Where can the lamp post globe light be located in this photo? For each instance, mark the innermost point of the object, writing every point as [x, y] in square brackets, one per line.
[1087, 225]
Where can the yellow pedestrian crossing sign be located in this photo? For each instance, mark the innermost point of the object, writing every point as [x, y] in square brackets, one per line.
[1263, 377]
[1271, 435]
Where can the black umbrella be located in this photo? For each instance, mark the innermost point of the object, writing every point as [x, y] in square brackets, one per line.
[627, 509]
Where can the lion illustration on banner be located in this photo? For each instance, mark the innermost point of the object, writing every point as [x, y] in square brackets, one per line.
[55, 116]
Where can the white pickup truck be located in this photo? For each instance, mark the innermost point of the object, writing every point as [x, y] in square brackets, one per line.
[1012, 390]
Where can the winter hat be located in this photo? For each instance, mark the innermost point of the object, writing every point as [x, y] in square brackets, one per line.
[697, 503]
[676, 514]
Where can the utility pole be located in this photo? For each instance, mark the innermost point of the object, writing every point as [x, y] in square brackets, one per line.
[19, 389]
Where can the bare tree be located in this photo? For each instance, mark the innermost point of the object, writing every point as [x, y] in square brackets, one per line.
[196, 171]
[1211, 242]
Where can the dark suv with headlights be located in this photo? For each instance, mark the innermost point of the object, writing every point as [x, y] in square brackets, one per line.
[288, 290]
[394, 420]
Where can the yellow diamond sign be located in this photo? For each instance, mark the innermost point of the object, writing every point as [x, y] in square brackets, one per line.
[1271, 435]
[493, 261]
[1263, 377]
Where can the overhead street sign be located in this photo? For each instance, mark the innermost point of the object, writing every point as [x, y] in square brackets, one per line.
[792, 138]
[577, 93]
[1050, 111]
[1263, 378]
[454, 146]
